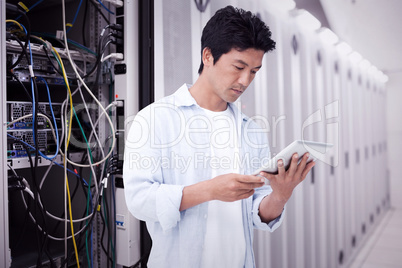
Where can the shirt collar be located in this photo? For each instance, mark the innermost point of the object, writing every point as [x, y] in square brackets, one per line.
[184, 98]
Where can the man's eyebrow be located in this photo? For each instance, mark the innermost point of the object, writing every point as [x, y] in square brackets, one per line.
[244, 63]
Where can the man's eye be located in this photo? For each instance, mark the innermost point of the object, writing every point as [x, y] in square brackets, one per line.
[238, 68]
[253, 72]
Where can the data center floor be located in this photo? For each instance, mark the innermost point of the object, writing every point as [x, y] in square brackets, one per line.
[383, 249]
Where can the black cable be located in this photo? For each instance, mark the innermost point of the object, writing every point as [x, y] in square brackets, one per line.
[23, 52]
[98, 70]
[102, 47]
[84, 22]
[26, 217]
[109, 223]
[33, 212]
[98, 59]
[109, 259]
[114, 214]
[51, 62]
[15, 9]
[16, 187]
[24, 49]
[35, 105]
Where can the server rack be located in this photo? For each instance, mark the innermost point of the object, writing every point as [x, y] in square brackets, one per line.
[91, 23]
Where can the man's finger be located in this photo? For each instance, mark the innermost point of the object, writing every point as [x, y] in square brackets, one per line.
[249, 179]
[301, 167]
[307, 169]
[281, 168]
[293, 164]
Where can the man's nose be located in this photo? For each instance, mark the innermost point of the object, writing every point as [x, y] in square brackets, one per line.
[245, 79]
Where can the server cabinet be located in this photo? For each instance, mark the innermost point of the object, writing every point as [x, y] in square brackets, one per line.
[321, 177]
[269, 247]
[78, 60]
[175, 42]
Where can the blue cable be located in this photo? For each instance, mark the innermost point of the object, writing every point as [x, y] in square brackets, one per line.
[75, 17]
[33, 104]
[54, 121]
[32, 87]
[30, 146]
[30, 8]
[100, 2]
[34, 5]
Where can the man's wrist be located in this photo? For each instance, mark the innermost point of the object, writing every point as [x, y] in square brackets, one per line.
[279, 198]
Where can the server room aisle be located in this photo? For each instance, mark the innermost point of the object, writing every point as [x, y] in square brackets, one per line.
[384, 248]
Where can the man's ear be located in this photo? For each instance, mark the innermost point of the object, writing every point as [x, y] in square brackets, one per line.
[207, 57]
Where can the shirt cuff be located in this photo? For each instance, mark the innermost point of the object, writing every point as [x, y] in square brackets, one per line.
[275, 223]
[259, 224]
[168, 200]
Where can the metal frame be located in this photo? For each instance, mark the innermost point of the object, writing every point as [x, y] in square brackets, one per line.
[5, 258]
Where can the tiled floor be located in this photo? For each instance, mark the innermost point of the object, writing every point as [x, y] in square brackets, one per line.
[384, 248]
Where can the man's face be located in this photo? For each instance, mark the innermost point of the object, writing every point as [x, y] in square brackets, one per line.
[230, 76]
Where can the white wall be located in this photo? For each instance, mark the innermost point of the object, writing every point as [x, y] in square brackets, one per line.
[394, 133]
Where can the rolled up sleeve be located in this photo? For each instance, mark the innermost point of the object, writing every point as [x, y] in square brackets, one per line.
[168, 200]
[258, 223]
[148, 196]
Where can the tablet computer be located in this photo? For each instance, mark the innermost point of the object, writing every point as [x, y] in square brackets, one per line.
[298, 146]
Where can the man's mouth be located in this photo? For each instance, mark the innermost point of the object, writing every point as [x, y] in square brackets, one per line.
[237, 91]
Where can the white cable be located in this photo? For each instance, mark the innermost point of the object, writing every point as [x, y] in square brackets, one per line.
[64, 108]
[86, 87]
[114, 103]
[117, 56]
[63, 53]
[47, 212]
[40, 228]
[90, 120]
[89, 142]
[64, 115]
[30, 115]
[64, 135]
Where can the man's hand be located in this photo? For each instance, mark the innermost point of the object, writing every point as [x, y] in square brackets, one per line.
[228, 187]
[283, 185]
[232, 187]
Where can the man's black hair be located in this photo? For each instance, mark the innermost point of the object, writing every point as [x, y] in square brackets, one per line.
[234, 28]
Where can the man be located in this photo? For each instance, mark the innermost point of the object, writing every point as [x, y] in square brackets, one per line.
[189, 157]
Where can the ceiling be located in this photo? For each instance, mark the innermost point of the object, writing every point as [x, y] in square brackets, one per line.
[370, 27]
